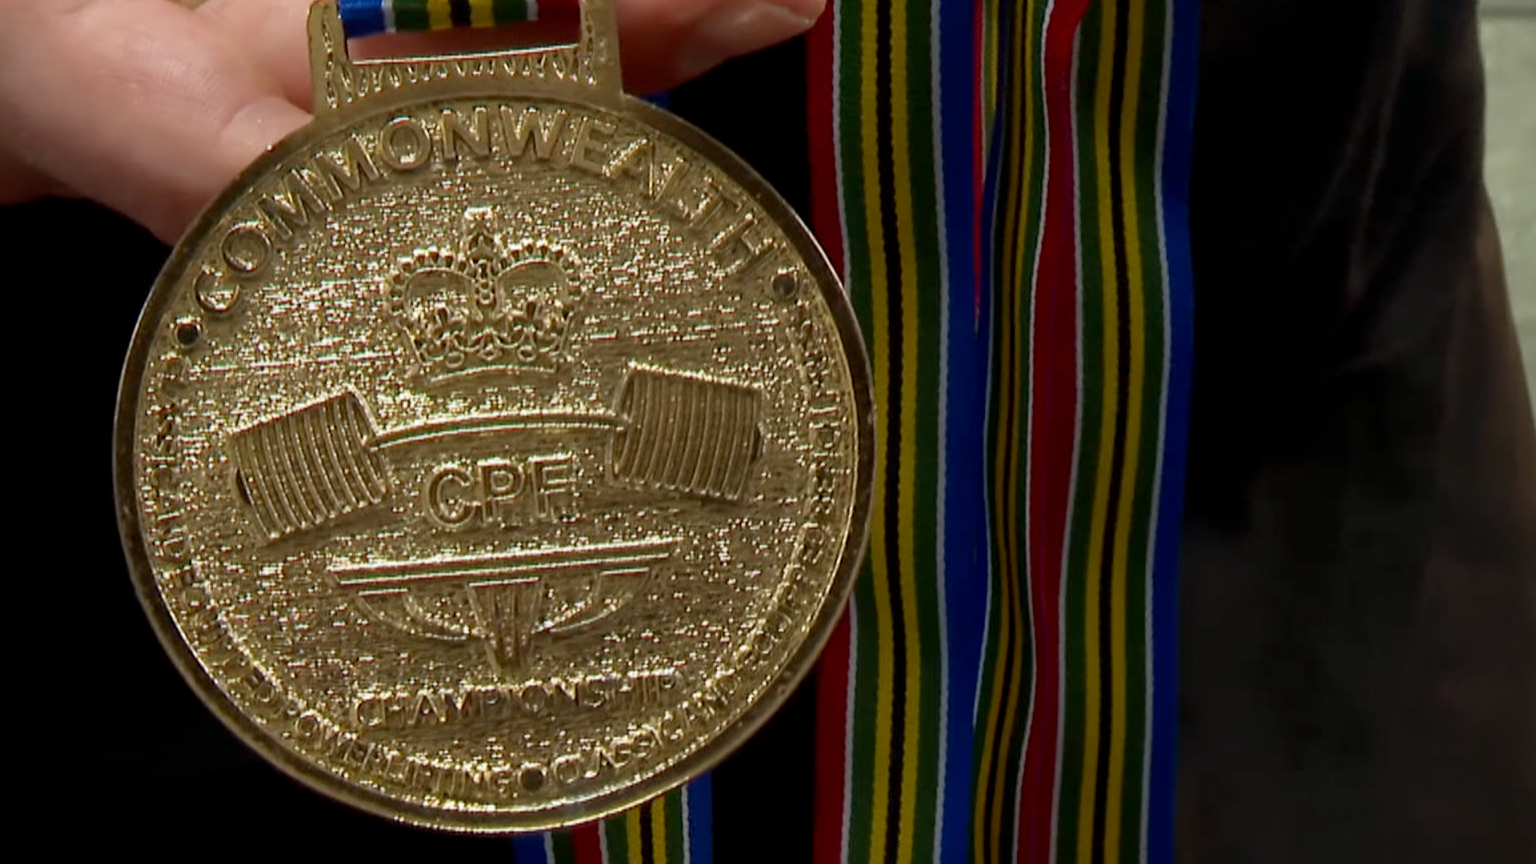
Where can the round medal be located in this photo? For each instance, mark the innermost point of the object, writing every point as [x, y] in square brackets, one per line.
[495, 453]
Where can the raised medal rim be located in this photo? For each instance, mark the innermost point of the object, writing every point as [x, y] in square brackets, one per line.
[568, 813]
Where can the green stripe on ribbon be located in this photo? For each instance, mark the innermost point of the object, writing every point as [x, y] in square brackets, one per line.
[411, 15]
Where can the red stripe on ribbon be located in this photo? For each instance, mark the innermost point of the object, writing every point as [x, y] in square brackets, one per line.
[831, 747]
[1053, 431]
[587, 843]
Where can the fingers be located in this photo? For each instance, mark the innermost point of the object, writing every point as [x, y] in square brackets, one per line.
[140, 104]
[151, 107]
[662, 42]
[274, 34]
[666, 42]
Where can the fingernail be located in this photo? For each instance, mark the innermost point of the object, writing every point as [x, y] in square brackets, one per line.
[739, 27]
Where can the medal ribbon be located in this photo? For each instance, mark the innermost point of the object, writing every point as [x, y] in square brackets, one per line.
[672, 829]
[369, 17]
[1005, 187]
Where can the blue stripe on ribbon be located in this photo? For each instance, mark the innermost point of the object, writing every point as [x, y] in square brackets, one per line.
[967, 336]
[362, 17]
[701, 805]
[528, 849]
[1177, 154]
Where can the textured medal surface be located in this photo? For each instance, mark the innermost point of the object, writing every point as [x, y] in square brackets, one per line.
[495, 461]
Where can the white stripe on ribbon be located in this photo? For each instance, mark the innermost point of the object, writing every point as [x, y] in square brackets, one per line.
[686, 794]
[936, 63]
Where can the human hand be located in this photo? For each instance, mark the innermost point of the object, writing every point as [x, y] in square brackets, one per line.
[151, 107]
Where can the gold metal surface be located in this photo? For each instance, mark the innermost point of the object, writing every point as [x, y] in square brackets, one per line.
[495, 453]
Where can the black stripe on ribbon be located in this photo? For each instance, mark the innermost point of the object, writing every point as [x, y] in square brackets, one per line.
[1122, 292]
[891, 251]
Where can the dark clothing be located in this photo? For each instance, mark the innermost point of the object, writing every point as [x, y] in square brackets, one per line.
[1358, 627]
[1358, 632]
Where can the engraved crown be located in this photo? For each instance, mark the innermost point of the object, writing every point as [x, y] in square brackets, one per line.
[487, 305]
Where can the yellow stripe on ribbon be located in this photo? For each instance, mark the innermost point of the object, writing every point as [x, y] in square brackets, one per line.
[906, 482]
[659, 829]
[1136, 298]
[632, 833]
[1092, 706]
[481, 14]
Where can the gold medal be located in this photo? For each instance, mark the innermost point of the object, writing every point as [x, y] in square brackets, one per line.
[495, 453]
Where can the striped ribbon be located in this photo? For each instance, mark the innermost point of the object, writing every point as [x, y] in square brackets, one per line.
[369, 17]
[672, 829]
[1004, 186]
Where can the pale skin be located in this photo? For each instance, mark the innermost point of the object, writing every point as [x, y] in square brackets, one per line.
[152, 106]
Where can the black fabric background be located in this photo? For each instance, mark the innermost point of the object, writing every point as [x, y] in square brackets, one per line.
[1358, 644]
